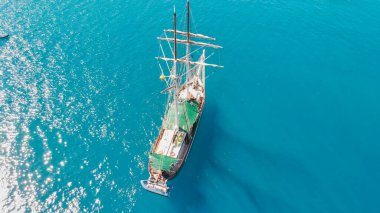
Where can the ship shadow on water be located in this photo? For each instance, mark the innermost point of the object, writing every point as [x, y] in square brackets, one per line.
[188, 188]
[187, 193]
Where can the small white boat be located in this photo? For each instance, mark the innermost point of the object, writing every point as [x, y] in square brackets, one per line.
[3, 35]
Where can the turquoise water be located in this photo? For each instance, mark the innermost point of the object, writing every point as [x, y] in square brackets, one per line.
[291, 124]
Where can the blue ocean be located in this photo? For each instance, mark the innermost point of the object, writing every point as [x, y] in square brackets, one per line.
[291, 124]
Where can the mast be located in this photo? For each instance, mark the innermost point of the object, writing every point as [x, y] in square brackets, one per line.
[175, 69]
[188, 75]
[175, 37]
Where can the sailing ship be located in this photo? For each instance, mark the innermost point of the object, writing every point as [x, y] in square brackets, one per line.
[186, 83]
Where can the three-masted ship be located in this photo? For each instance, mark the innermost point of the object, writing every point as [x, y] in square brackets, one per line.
[186, 83]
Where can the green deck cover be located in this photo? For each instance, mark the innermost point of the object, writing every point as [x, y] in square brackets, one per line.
[191, 107]
[162, 162]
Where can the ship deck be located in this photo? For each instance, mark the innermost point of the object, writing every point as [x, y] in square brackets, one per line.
[166, 146]
[170, 147]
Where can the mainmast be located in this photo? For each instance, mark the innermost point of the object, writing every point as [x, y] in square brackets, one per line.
[175, 70]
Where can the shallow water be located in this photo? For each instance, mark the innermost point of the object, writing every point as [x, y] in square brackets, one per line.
[290, 124]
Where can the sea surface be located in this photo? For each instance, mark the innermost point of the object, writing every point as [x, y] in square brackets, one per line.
[291, 124]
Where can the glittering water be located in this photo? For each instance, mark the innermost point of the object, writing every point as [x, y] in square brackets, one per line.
[290, 125]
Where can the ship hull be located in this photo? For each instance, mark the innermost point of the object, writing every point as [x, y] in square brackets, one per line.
[188, 148]
[159, 185]
[188, 144]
